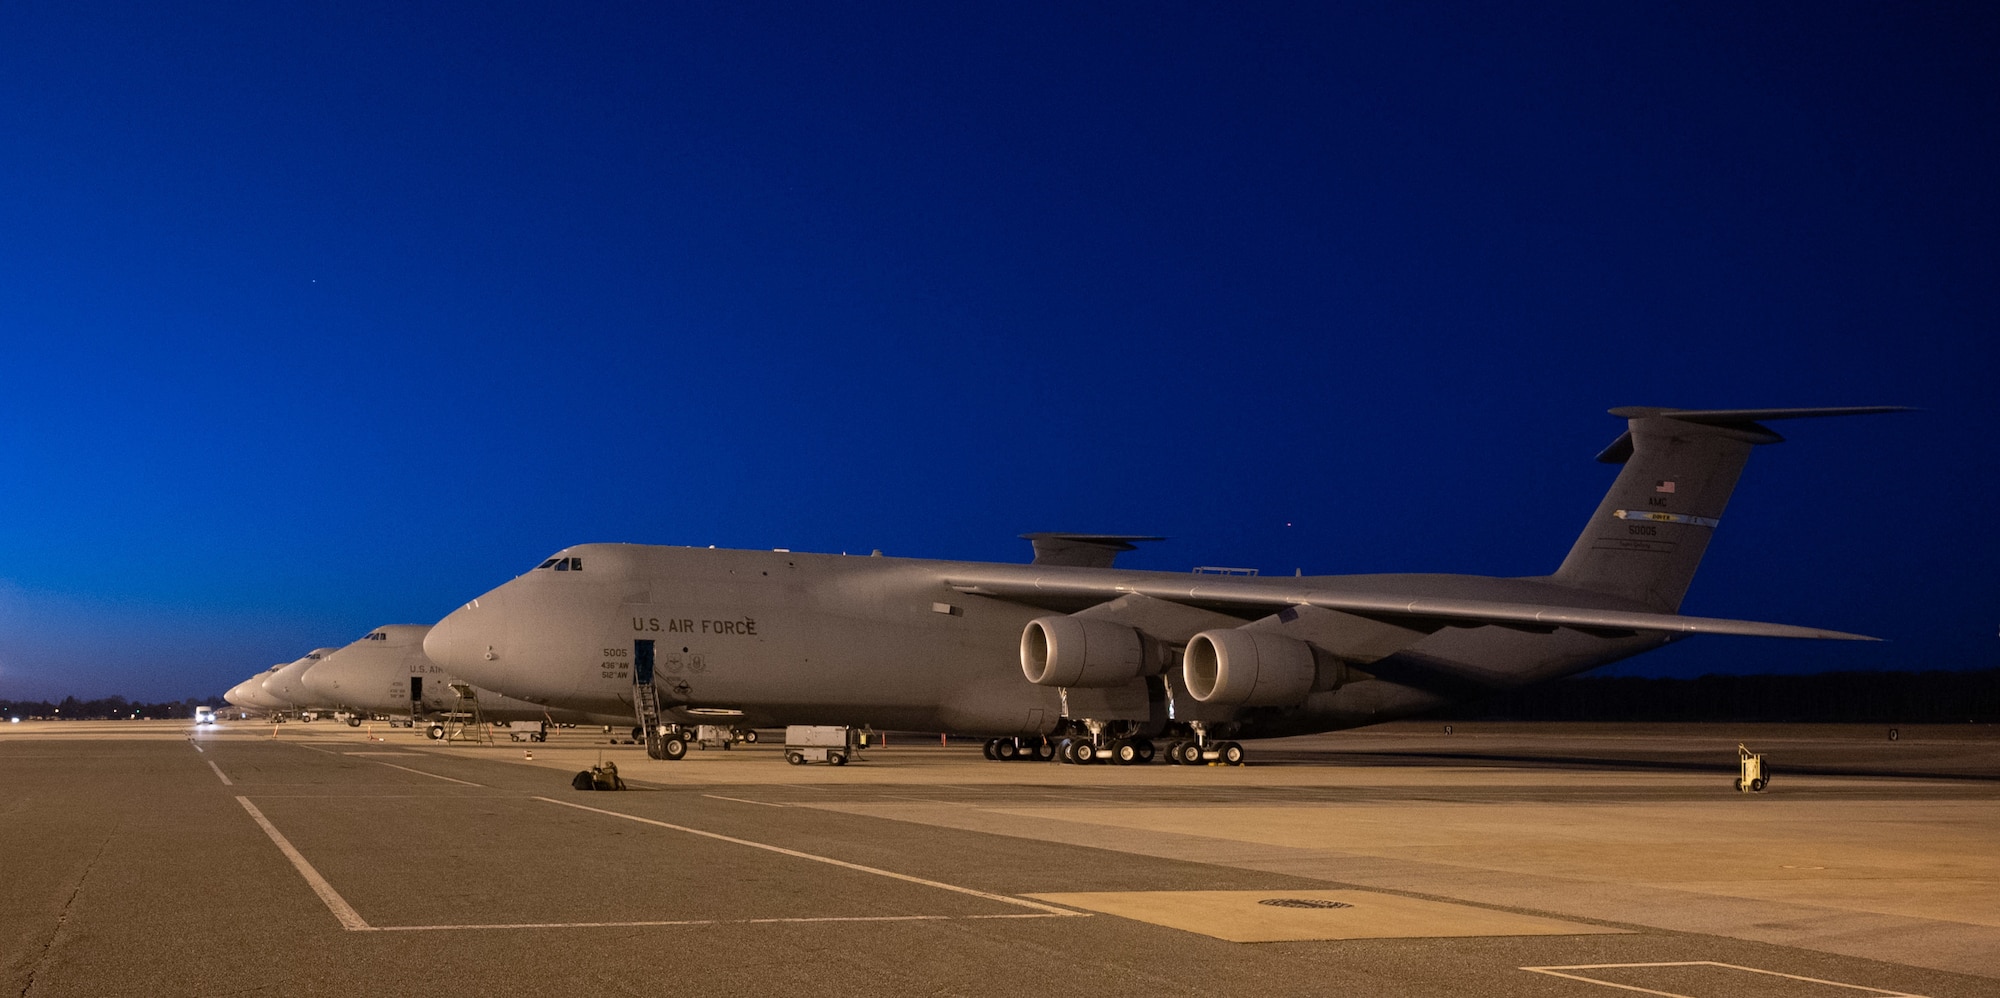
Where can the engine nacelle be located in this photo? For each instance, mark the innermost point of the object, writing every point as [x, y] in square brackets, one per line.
[1244, 668]
[1079, 651]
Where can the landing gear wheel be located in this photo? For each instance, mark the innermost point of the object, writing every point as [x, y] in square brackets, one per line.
[638, 732]
[1044, 750]
[1066, 750]
[1188, 754]
[1005, 750]
[673, 749]
[837, 758]
[1145, 747]
[988, 749]
[1085, 753]
[435, 731]
[1232, 754]
[1124, 753]
[795, 758]
[353, 722]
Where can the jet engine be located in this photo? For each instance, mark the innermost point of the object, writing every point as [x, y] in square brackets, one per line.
[1245, 668]
[1079, 651]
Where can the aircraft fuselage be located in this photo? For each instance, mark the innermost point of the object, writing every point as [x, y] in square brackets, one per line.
[907, 644]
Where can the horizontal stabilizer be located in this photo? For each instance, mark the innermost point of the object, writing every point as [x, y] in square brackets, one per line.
[1082, 550]
[1741, 420]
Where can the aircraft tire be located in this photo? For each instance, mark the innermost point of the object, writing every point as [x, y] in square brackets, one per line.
[353, 722]
[1044, 750]
[1005, 750]
[750, 736]
[1145, 747]
[1085, 753]
[638, 732]
[1066, 750]
[837, 758]
[1174, 753]
[795, 758]
[987, 750]
[1188, 754]
[673, 749]
[1124, 753]
[1232, 754]
[435, 732]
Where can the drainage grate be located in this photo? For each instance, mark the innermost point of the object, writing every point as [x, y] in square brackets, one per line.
[1304, 903]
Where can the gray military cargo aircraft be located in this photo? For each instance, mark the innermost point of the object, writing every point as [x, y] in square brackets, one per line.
[1072, 655]
[284, 684]
[386, 672]
[249, 694]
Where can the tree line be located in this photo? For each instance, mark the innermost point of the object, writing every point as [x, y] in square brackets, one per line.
[112, 708]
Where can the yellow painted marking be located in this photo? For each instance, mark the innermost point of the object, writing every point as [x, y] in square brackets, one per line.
[1238, 917]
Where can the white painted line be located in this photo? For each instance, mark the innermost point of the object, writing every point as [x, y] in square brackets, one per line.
[698, 921]
[197, 748]
[350, 919]
[392, 765]
[433, 776]
[374, 797]
[218, 773]
[830, 861]
[1556, 972]
[740, 800]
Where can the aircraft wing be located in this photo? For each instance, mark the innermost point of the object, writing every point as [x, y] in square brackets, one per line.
[1270, 596]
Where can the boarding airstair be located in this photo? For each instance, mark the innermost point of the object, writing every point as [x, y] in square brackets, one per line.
[645, 700]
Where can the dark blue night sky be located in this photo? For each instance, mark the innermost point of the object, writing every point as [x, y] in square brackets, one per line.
[320, 316]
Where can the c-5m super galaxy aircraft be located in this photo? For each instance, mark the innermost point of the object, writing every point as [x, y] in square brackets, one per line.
[1105, 660]
[386, 672]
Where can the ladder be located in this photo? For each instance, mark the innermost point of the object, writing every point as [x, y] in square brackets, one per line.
[466, 714]
[645, 700]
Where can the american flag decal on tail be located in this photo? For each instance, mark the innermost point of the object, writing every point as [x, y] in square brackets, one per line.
[1667, 487]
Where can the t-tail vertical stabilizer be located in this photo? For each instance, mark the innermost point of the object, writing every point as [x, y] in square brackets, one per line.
[1680, 466]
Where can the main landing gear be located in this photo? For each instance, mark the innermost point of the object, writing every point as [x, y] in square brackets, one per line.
[1194, 753]
[1032, 748]
[1085, 749]
[1130, 750]
[1121, 751]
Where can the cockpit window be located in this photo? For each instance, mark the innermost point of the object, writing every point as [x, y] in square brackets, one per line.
[551, 563]
[562, 564]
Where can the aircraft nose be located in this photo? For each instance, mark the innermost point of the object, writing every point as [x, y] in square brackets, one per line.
[456, 644]
[321, 680]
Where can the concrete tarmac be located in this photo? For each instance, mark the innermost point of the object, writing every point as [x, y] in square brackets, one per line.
[1570, 861]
